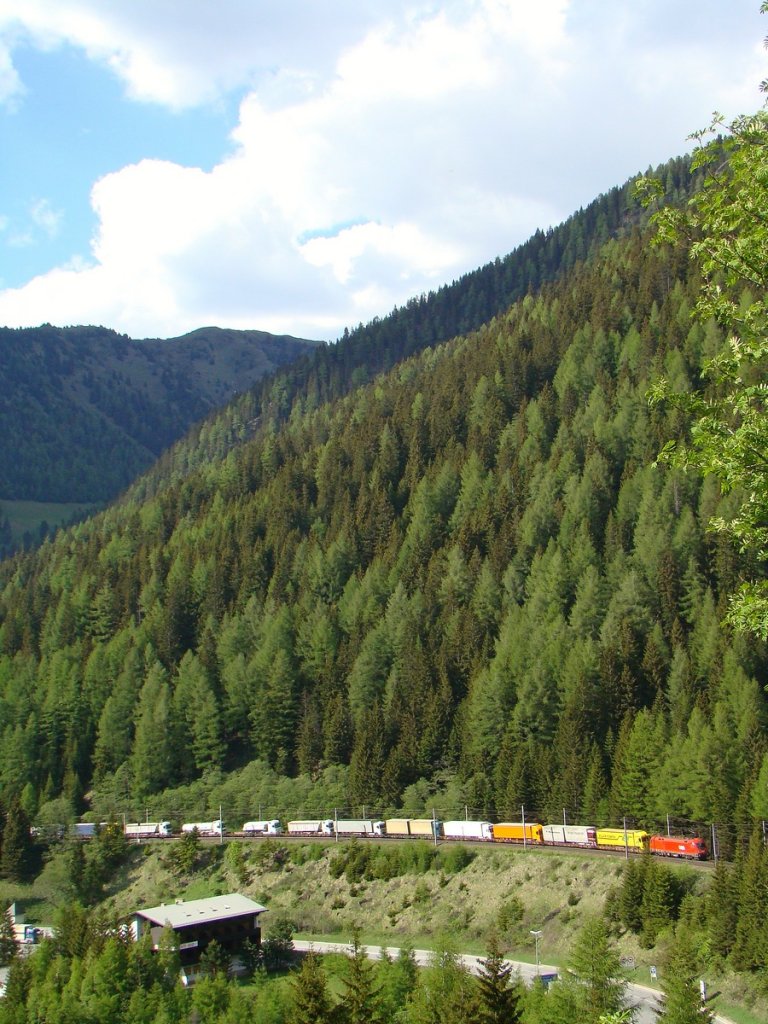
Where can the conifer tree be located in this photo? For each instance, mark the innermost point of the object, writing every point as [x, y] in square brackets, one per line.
[398, 980]
[185, 852]
[211, 996]
[499, 992]
[722, 909]
[681, 1002]
[17, 860]
[9, 947]
[631, 894]
[446, 993]
[310, 1001]
[368, 758]
[152, 756]
[658, 901]
[750, 948]
[215, 960]
[595, 796]
[600, 981]
[360, 1002]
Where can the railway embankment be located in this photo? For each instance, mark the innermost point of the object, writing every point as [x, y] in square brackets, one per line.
[417, 893]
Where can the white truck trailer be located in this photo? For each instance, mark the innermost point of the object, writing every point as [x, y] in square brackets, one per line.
[311, 828]
[359, 827]
[262, 828]
[578, 835]
[204, 828]
[148, 829]
[467, 830]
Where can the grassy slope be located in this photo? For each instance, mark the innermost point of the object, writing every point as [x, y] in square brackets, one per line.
[26, 516]
[557, 890]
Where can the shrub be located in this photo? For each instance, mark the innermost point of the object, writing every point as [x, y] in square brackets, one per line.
[510, 914]
[455, 858]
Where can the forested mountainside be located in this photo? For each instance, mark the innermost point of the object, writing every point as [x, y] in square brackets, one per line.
[85, 410]
[77, 434]
[332, 371]
[468, 566]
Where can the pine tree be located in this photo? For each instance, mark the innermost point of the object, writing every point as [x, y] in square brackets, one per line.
[368, 758]
[152, 756]
[9, 947]
[310, 1002]
[499, 992]
[185, 852]
[360, 1002]
[211, 996]
[594, 962]
[631, 894]
[681, 1002]
[750, 950]
[17, 861]
[594, 799]
[658, 901]
[215, 960]
[722, 909]
[446, 993]
[398, 980]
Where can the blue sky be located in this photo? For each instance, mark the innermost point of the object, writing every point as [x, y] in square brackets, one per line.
[71, 126]
[300, 167]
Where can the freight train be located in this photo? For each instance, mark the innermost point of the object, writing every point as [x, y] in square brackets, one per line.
[517, 832]
[521, 833]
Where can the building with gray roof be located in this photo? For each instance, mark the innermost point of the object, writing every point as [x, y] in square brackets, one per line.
[230, 920]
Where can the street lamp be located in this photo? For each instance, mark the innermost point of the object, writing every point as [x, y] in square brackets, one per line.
[537, 935]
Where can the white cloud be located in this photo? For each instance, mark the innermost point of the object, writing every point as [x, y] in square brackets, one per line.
[374, 159]
[10, 84]
[184, 52]
[45, 217]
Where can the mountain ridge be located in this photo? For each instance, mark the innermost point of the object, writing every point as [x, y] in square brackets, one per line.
[89, 409]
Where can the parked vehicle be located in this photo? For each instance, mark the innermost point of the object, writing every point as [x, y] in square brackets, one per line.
[263, 828]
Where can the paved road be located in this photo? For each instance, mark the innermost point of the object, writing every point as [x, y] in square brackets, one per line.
[644, 999]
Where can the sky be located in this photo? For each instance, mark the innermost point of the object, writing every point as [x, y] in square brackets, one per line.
[299, 166]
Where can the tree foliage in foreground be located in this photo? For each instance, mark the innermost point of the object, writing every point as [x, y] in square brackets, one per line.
[725, 225]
